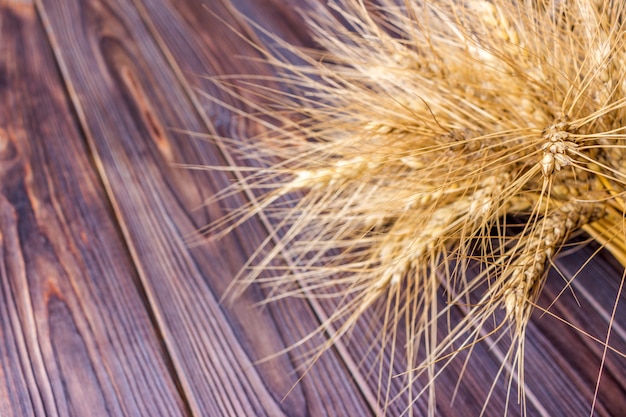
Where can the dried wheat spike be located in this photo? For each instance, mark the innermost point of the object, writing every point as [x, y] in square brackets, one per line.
[535, 252]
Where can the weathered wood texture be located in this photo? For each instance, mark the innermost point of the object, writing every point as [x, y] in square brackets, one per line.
[105, 306]
[77, 337]
[128, 98]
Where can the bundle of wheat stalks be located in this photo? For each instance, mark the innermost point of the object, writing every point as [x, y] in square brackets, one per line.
[428, 136]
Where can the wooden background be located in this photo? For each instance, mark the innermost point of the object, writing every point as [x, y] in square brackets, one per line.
[105, 307]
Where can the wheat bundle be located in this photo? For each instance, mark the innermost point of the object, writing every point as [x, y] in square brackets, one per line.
[425, 136]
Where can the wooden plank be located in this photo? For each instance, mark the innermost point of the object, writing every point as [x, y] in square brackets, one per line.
[588, 305]
[76, 335]
[128, 99]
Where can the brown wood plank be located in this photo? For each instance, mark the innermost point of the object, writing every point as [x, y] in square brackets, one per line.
[76, 336]
[589, 308]
[128, 99]
[552, 383]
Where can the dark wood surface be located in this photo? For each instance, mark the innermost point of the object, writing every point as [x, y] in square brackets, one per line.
[106, 309]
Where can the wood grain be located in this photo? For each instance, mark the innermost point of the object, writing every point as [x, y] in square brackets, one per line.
[588, 306]
[128, 100]
[76, 335]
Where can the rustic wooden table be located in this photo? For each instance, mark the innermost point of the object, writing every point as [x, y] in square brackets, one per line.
[105, 307]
